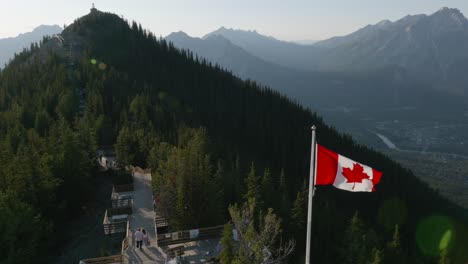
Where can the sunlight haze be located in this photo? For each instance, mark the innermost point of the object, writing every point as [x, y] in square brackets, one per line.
[286, 20]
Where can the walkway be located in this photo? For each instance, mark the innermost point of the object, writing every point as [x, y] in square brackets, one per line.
[143, 217]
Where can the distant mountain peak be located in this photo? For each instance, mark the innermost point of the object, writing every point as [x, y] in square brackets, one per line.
[43, 30]
[447, 10]
[412, 18]
[179, 33]
[42, 27]
[383, 23]
[231, 31]
[453, 13]
[222, 30]
[450, 17]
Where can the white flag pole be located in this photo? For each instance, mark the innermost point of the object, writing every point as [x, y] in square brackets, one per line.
[311, 195]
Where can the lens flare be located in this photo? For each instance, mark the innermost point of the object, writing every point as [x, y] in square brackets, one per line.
[93, 61]
[434, 234]
[445, 241]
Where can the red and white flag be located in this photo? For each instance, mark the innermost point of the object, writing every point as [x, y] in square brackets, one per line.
[344, 173]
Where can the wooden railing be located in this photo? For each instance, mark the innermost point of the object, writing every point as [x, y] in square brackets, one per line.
[124, 245]
[123, 188]
[160, 221]
[122, 202]
[175, 252]
[125, 241]
[104, 260]
[106, 219]
[119, 211]
[112, 228]
[184, 236]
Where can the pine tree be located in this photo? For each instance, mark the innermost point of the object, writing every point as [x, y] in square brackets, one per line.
[298, 214]
[393, 252]
[267, 189]
[217, 193]
[357, 242]
[252, 184]
[236, 181]
[284, 202]
[227, 245]
[376, 257]
[20, 222]
[125, 147]
[259, 242]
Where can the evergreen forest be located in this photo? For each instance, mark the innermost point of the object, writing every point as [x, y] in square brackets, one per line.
[214, 142]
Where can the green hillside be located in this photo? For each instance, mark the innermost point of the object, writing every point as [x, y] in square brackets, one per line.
[201, 130]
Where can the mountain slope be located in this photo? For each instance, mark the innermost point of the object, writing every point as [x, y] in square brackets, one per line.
[291, 55]
[219, 50]
[10, 46]
[142, 94]
[370, 94]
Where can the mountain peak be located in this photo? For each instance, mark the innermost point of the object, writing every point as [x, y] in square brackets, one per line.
[384, 23]
[47, 27]
[223, 30]
[449, 16]
[178, 34]
[447, 10]
[42, 30]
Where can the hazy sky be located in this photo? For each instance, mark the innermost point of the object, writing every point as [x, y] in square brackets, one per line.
[288, 20]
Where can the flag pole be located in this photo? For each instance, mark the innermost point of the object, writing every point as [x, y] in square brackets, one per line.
[311, 194]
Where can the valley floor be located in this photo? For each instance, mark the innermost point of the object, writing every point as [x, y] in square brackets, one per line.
[446, 173]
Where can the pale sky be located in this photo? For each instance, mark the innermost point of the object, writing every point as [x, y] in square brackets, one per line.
[286, 20]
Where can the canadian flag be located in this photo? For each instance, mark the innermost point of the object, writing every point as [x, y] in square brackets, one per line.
[344, 173]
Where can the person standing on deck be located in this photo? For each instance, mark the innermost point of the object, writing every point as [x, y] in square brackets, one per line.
[139, 239]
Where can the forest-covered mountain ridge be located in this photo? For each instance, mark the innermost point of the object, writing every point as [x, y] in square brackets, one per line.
[12, 45]
[200, 129]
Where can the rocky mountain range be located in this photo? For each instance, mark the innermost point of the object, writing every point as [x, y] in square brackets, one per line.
[411, 69]
[430, 47]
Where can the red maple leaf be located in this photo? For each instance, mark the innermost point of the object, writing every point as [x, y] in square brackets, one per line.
[355, 175]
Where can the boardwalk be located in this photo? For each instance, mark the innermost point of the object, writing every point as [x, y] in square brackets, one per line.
[195, 246]
[143, 217]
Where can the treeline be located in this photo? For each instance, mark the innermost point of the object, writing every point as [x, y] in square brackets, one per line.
[46, 156]
[211, 139]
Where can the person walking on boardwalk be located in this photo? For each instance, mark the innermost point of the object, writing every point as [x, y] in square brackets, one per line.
[145, 238]
[139, 238]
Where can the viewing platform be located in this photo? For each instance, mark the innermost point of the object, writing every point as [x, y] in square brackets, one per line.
[133, 207]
